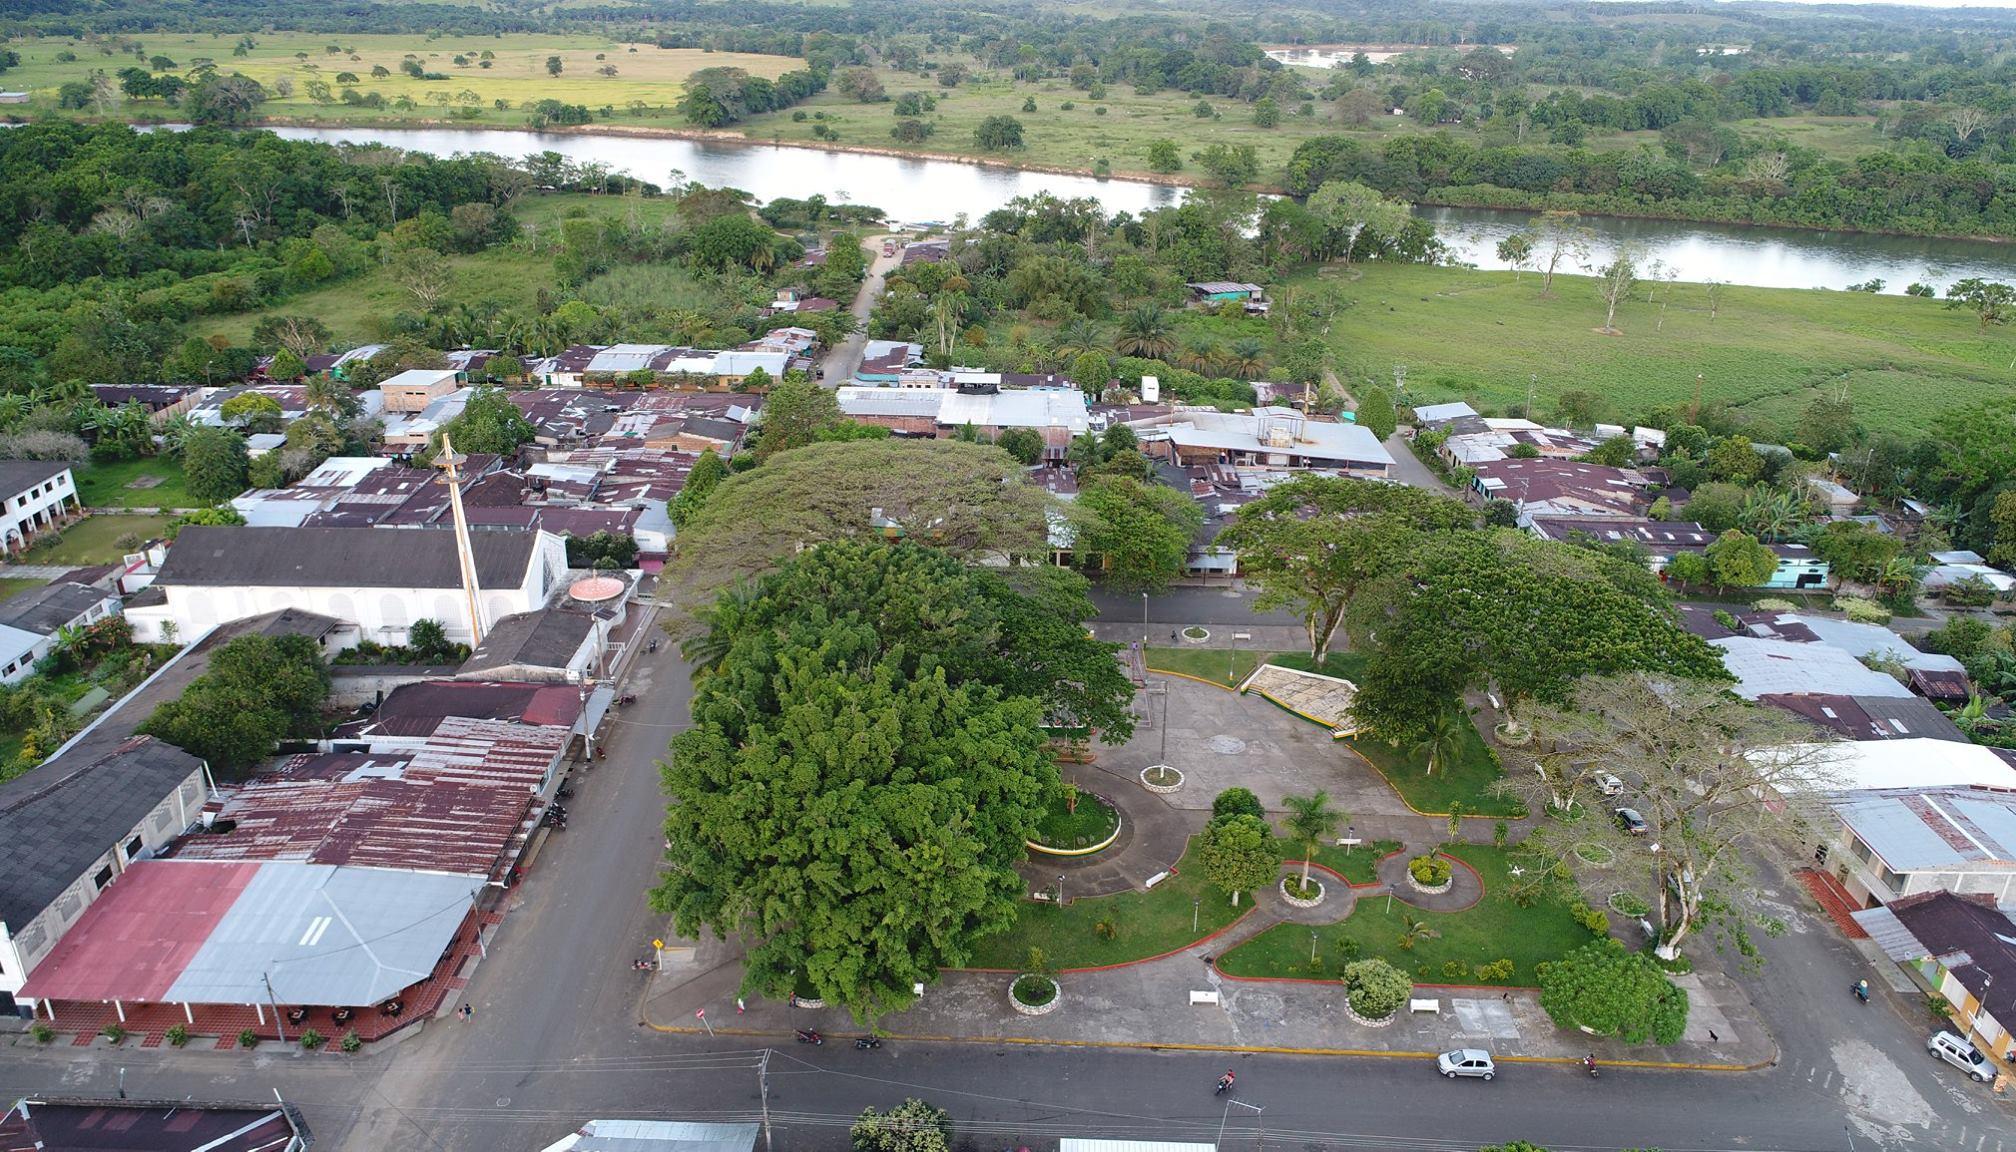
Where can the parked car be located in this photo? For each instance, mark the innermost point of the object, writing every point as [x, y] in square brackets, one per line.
[1629, 820]
[1609, 784]
[1955, 1050]
[1466, 1062]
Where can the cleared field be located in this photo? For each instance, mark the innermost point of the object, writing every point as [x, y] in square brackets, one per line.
[516, 73]
[1485, 336]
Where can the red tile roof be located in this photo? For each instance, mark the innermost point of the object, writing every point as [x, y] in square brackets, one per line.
[144, 939]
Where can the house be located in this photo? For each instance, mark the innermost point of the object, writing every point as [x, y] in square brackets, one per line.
[925, 252]
[1950, 568]
[1862, 641]
[1263, 438]
[1765, 666]
[549, 644]
[59, 1123]
[1899, 842]
[31, 622]
[378, 582]
[1875, 765]
[413, 390]
[1252, 296]
[1429, 416]
[35, 496]
[657, 1136]
[72, 827]
[408, 432]
[1870, 717]
[1059, 413]
[883, 361]
[162, 400]
[1560, 488]
[1958, 947]
[1839, 500]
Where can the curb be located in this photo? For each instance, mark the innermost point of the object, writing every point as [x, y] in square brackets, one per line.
[1264, 1050]
[1188, 676]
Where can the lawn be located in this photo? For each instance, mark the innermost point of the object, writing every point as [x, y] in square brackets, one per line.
[1144, 924]
[1486, 337]
[111, 485]
[1227, 666]
[1357, 865]
[1091, 821]
[1493, 929]
[12, 586]
[95, 540]
[517, 73]
[1467, 781]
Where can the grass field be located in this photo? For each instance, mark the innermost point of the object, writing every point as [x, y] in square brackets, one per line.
[1144, 924]
[1217, 665]
[108, 485]
[1492, 929]
[12, 586]
[1482, 336]
[95, 540]
[517, 73]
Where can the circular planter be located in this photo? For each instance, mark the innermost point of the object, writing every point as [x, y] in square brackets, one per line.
[1594, 855]
[810, 1002]
[1513, 737]
[1432, 889]
[1042, 1009]
[1628, 904]
[1173, 775]
[1196, 635]
[1299, 901]
[1119, 822]
[1366, 1020]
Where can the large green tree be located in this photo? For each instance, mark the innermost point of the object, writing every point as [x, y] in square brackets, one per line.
[706, 475]
[1609, 991]
[794, 414]
[859, 834]
[969, 499]
[1138, 532]
[489, 423]
[214, 464]
[1311, 544]
[1500, 610]
[257, 691]
[1238, 854]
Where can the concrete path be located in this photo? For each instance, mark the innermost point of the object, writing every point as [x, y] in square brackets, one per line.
[1409, 470]
[840, 363]
[1153, 837]
[43, 572]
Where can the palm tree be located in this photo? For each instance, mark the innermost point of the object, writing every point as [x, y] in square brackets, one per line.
[1901, 575]
[1443, 740]
[1085, 452]
[723, 620]
[1247, 359]
[946, 312]
[1145, 331]
[1413, 931]
[1311, 820]
[175, 431]
[1083, 334]
[1772, 514]
[1201, 355]
[328, 394]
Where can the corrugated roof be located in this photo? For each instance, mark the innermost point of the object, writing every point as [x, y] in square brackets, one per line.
[61, 1124]
[657, 1136]
[1764, 667]
[1933, 829]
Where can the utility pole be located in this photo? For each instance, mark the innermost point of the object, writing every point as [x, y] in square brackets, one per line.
[763, 1085]
[279, 1024]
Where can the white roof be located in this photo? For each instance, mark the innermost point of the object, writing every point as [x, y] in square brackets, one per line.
[1961, 556]
[1248, 432]
[1076, 1145]
[342, 471]
[1945, 574]
[1016, 408]
[736, 362]
[872, 401]
[418, 378]
[15, 643]
[1435, 413]
[625, 357]
[1860, 640]
[1764, 667]
[657, 1136]
[1863, 765]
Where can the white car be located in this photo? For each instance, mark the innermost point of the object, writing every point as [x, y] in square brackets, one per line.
[1466, 1062]
[1609, 784]
[1955, 1050]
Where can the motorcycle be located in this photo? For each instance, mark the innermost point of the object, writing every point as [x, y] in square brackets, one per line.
[1861, 990]
[867, 1042]
[627, 698]
[1589, 1064]
[1224, 1082]
[808, 1036]
[651, 647]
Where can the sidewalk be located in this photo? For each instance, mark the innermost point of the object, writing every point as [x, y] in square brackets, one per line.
[1148, 1006]
[1249, 637]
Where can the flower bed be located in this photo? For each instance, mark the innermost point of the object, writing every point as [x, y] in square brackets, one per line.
[1430, 875]
[1161, 779]
[1067, 831]
[1033, 994]
[1305, 898]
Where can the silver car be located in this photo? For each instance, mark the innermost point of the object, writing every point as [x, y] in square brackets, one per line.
[1955, 1050]
[1466, 1062]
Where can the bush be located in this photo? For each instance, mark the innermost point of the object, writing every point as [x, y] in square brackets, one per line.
[311, 1039]
[1033, 990]
[1774, 604]
[248, 1039]
[1863, 611]
[42, 1032]
[1591, 918]
[351, 1042]
[1376, 989]
[1237, 802]
[178, 1035]
[1429, 871]
[114, 1032]
[1613, 992]
[1496, 972]
[1972, 592]
[1454, 970]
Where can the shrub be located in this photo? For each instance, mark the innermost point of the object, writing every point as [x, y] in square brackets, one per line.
[1350, 949]
[42, 1032]
[1454, 970]
[1971, 592]
[178, 1035]
[248, 1039]
[1106, 930]
[115, 1032]
[1237, 802]
[1499, 832]
[1862, 611]
[1496, 972]
[351, 1042]
[1610, 991]
[1033, 990]
[1429, 871]
[1590, 918]
[311, 1039]
[1376, 989]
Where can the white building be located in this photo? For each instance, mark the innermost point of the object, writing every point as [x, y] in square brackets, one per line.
[30, 622]
[376, 580]
[35, 496]
[1265, 437]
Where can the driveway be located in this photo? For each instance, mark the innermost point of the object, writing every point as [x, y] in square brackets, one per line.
[844, 358]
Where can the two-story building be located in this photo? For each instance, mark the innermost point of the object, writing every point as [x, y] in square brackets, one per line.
[35, 496]
[31, 622]
[1900, 842]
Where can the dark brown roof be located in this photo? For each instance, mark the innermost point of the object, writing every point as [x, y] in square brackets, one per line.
[1947, 926]
[1871, 717]
[341, 557]
[54, 1124]
[21, 475]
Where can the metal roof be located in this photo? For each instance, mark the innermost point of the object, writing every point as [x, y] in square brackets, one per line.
[215, 932]
[1764, 667]
[62, 1124]
[1075, 1145]
[1867, 765]
[657, 1136]
[1936, 829]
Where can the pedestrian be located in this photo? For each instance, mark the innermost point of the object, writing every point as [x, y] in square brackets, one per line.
[468, 1013]
[794, 1000]
[1172, 635]
[1505, 996]
[740, 1007]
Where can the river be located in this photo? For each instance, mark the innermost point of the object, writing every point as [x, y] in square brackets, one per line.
[915, 189]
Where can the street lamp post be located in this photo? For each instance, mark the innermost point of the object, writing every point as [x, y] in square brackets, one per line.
[1196, 903]
[1144, 622]
[1060, 889]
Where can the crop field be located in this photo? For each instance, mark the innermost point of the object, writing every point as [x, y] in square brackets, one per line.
[1486, 337]
[516, 72]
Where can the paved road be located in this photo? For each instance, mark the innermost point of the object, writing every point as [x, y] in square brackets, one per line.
[1217, 604]
[1410, 471]
[843, 359]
